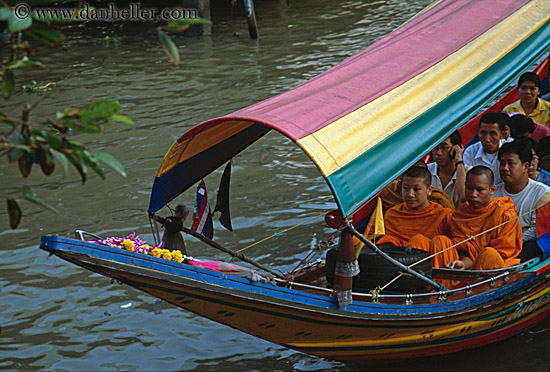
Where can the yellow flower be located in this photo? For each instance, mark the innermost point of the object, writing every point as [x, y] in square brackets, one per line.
[128, 245]
[177, 256]
[166, 254]
[156, 252]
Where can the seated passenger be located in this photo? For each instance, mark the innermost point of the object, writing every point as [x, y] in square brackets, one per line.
[544, 172]
[527, 195]
[529, 104]
[544, 163]
[540, 131]
[534, 164]
[506, 134]
[485, 151]
[526, 127]
[416, 215]
[522, 126]
[391, 194]
[448, 172]
[544, 147]
[492, 222]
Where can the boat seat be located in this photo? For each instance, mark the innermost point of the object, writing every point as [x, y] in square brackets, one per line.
[377, 272]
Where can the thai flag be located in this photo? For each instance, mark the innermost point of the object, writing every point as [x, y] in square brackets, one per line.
[202, 218]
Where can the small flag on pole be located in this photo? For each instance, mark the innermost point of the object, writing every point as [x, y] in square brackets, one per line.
[202, 218]
[222, 201]
[375, 227]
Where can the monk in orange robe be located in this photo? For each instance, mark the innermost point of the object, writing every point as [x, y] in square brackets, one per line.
[494, 249]
[391, 196]
[416, 215]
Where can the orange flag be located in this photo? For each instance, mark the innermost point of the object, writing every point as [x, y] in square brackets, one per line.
[375, 227]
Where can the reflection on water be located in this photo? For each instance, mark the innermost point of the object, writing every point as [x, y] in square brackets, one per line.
[56, 316]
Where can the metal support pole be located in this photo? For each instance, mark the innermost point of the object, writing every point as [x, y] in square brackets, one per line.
[251, 19]
[346, 268]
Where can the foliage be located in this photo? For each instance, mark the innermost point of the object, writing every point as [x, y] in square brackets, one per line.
[46, 142]
[176, 25]
[34, 86]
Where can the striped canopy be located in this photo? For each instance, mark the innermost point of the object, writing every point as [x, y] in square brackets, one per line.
[366, 120]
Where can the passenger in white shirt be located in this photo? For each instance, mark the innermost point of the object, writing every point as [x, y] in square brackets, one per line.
[448, 171]
[485, 151]
[515, 158]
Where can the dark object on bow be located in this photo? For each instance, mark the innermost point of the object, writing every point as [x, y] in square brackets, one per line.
[172, 238]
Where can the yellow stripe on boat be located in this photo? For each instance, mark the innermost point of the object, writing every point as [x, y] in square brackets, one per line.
[417, 95]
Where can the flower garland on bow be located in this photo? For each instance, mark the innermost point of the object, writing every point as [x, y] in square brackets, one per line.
[133, 243]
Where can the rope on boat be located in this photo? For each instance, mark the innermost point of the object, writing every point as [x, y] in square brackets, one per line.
[378, 290]
[385, 256]
[473, 237]
[375, 293]
[311, 255]
[281, 232]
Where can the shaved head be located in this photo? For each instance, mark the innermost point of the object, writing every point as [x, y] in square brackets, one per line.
[481, 170]
[419, 172]
[420, 163]
[479, 187]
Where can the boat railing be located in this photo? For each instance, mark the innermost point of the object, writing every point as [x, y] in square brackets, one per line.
[79, 235]
[374, 296]
[408, 298]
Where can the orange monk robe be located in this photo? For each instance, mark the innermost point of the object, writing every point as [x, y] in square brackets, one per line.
[493, 250]
[402, 223]
[391, 196]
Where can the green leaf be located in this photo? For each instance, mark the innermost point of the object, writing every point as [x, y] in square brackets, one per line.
[16, 24]
[26, 63]
[169, 48]
[67, 112]
[94, 165]
[111, 161]
[79, 158]
[20, 147]
[15, 154]
[62, 159]
[18, 138]
[32, 197]
[14, 213]
[5, 13]
[122, 119]
[180, 24]
[99, 110]
[46, 36]
[8, 84]
[44, 136]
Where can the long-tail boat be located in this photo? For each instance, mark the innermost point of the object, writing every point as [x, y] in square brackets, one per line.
[362, 122]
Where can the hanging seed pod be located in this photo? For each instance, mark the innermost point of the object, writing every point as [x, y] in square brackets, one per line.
[14, 213]
[46, 160]
[25, 165]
